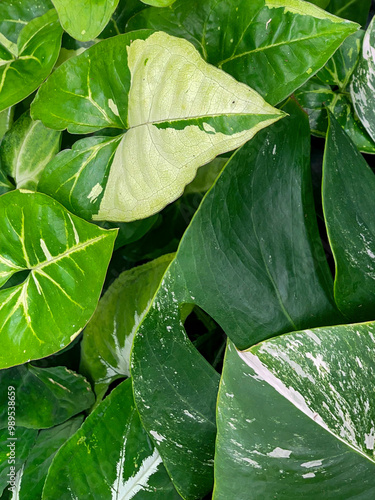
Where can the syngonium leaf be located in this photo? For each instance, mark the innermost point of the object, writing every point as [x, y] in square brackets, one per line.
[181, 123]
[355, 10]
[6, 120]
[295, 417]
[362, 86]
[272, 45]
[32, 475]
[65, 259]
[111, 456]
[26, 149]
[108, 338]
[229, 264]
[44, 396]
[350, 223]
[24, 66]
[84, 20]
[329, 90]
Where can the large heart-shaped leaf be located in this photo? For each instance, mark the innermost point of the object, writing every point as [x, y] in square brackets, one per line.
[84, 20]
[26, 149]
[181, 123]
[295, 417]
[44, 396]
[362, 87]
[24, 66]
[111, 456]
[66, 260]
[108, 338]
[229, 264]
[350, 223]
[272, 45]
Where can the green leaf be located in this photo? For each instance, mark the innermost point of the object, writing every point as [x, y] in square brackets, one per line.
[350, 224]
[363, 82]
[6, 120]
[44, 396]
[273, 46]
[32, 475]
[229, 264]
[33, 58]
[26, 149]
[65, 259]
[180, 124]
[13, 452]
[111, 456]
[108, 338]
[159, 3]
[320, 3]
[84, 20]
[129, 232]
[295, 417]
[355, 10]
[125, 10]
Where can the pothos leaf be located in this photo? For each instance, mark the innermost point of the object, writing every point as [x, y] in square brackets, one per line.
[66, 260]
[181, 123]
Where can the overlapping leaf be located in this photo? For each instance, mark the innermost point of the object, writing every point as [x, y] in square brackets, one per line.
[24, 66]
[355, 10]
[229, 264]
[273, 46]
[178, 124]
[111, 456]
[295, 417]
[65, 260]
[44, 396]
[26, 149]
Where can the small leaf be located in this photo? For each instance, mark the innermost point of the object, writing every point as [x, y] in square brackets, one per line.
[108, 338]
[84, 20]
[363, 82]
[111, 456]
[274, 46]
[44, 397]
[35, 54]
[66, 260]
[350, 223]
[26, 149]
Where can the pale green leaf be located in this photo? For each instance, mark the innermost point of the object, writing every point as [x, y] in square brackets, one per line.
[26, 149]
[65, 260]
[159, 3]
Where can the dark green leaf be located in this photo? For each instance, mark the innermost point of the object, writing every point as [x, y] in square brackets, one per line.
[355, 10]
[6, 120]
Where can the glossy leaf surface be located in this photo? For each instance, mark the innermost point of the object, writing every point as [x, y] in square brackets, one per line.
[26, 149]
[6, 120]
[229, 264]
[108, 338]
[350, 223]
[66, 260]
[44, 396]
[111, 456]
[362, 87]
[181, 123]
[31, 60]
[289, 39]
[84, 20]
[295, 417]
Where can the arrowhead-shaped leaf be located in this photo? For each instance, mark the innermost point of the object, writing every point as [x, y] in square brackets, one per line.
[65, 260]
[182, 123]
[289, 39]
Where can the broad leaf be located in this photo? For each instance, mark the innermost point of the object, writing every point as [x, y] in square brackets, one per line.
[32, 475]
[229, 264]
[26, 149]
[274, 46]
[181, 124]
[108, 338]
[362, 87]
[29, 62]
[350, 223]
[355, 10]
[159, 3]
[295, 417]
[84, 20]
[111, 456]
[44, 396]
[6, 120]
[65, 260]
